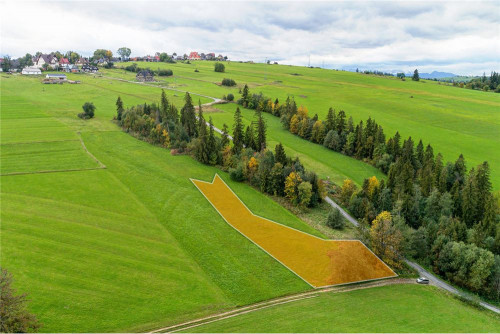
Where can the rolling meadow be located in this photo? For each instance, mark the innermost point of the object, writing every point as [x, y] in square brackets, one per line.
[107, 233]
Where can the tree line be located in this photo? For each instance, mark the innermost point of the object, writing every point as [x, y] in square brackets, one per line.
[427, 206]
[245, 155]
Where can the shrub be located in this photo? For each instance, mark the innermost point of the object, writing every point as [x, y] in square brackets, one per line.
[335, 219]
[196, 70]
[229, 97]
[219, 67]
[132, 68]
[236, 174]
[88, 111]
[165, 73]
[14, 311]
[228, 82]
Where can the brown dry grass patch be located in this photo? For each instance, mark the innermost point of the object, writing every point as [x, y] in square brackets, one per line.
[319, 262]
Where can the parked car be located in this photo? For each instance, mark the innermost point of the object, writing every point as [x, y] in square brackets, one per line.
[422, 280]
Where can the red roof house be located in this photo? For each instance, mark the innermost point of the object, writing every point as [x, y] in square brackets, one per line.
[194, 56]
[64, 61]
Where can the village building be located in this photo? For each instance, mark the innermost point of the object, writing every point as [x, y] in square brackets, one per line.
[63, 61]
[144, 76]
[31, 71]
[48, 59]
[89, 68]
[82, 61]
[194, 56]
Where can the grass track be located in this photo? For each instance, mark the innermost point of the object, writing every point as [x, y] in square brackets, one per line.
[395, 308]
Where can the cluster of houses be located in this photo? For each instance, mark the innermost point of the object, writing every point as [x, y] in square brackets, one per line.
[209, 56]
[192, 56]
[51, 62]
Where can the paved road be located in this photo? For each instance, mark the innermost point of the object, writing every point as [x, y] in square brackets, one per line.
[422, 272]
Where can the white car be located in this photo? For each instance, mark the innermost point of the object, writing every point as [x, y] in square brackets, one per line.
[422, 280]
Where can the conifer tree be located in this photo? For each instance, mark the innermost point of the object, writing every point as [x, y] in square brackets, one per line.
[330, 120]
[163, 106]
[237, 132]
[279, 153]
[250, 138]
[225, 136]
[119, 109]
[260, 140]
[202, 149]
[212, 143]
[340, 122]
[189, 119]
[245, 96]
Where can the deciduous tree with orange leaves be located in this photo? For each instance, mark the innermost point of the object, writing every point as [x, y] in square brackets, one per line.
[386, 239]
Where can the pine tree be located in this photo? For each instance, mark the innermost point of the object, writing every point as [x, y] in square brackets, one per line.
[245, 96]
[173, 114]
[470, 199]
[341, 122]
[419, 155]
[189, 119]
[330, 120]
[260, 141]
[202, 149]
[237, 132]
[460, 169]
[212, 143]
[201, 119]
[119, 109]
[416, 76]
[279, 153]
[225, 136]
[163, 106]
[250, 138]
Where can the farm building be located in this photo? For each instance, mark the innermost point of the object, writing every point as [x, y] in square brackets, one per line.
[61, 77]
[70, 68]
[31, 71]
[144, 76]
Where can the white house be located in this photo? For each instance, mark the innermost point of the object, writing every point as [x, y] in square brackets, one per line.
[42, 59]
[31, 71]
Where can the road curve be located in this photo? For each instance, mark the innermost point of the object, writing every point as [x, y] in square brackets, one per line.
[421, 271]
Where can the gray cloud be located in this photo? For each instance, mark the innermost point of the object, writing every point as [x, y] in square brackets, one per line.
[458, 36]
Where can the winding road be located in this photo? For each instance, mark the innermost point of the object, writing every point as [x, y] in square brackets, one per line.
[422, 272]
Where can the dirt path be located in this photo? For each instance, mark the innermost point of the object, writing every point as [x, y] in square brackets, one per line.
[278, 301]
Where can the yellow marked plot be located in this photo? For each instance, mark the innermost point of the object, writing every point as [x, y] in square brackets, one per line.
[319, 262]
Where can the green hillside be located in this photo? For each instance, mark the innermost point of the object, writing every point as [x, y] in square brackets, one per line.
[453, 120]
[133, 246]
[389, 309]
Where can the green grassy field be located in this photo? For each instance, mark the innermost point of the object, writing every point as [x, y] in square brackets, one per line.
[395, 309]
[131, 247]
[453, 120]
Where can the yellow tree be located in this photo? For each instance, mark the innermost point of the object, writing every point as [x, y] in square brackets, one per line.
[386, 239]
[348, 188]
[373, 184]
[292, 182]
[302, 112]
[294, 124]
[166, 138]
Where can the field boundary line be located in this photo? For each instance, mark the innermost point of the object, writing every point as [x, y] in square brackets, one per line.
[251, 212]
[277, 301]
[90, 154]
[245, 312]
[39, 142]
[52, 171]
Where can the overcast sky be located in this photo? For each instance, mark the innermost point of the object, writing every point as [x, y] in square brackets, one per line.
[458, 37]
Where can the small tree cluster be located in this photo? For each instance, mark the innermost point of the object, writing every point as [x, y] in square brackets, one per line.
[228, 82]
[88, 111]
[219, 67]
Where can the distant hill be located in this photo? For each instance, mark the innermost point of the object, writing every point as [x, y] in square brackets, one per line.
[435, 75]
